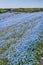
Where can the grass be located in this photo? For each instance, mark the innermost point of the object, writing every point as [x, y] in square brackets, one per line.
[4, 48]
[21, 34]
[38, 51]
[4, 61]
[35, 64]
[0, 34]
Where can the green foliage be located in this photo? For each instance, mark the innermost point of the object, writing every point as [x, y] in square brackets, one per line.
[27, 60]
[4, 61]
[3, 10]
[21, 10]
[28, 9]
[38, 50]
[35, 64]
[0, 34]
[2, 49]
